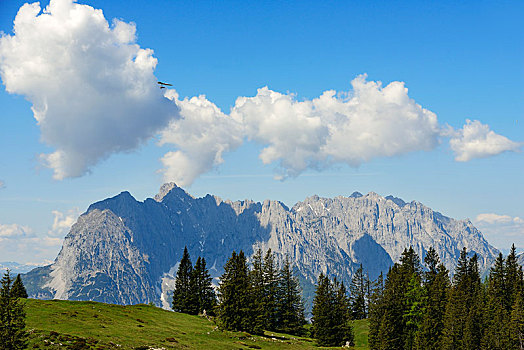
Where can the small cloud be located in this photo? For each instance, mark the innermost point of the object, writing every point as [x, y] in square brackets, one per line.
[476, 140]
[62, 222]
[10, 231]
[2, 184]
[21, 244]
[501, 230]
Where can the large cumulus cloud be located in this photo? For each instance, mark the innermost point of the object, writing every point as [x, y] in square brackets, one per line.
[92, 87]
[352, 127]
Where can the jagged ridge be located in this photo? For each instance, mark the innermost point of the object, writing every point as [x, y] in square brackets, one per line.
[124, 251]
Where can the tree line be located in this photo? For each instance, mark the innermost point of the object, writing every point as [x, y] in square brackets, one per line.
[13, 335]
[421, 307]
[249, 298]
[256, 296]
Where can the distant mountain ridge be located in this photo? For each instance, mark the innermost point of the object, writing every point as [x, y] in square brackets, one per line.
[124, 251]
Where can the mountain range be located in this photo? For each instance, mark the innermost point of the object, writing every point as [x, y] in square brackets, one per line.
[124, 251]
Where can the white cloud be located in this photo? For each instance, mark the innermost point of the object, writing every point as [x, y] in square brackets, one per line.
[2, 184]
[350, 127]
[92, 87]
[501, 230]
[20, 243]
[476, 140]
[62, 222]
[94, 93]
[201, 137]
[8, 231]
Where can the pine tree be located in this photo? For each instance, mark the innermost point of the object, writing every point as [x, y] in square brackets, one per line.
[184, 299]
[290, 304]
[357, 292]
[18, 290]
[270, 292]
[12, 318]
[203, 289]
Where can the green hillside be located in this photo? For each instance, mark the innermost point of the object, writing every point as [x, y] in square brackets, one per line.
[55, 324]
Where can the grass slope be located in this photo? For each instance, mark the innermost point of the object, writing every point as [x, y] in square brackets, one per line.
[56, 324]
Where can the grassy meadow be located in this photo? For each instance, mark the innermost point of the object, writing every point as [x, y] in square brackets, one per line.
[57, 324]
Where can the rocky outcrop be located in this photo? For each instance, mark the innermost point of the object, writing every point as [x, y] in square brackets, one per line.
[124, 251]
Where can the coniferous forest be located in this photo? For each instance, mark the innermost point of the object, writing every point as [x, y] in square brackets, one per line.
[417, 305]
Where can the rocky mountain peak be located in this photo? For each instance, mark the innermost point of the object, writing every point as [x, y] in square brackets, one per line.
[164, 190]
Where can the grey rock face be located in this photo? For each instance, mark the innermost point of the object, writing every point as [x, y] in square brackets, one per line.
[124, 251]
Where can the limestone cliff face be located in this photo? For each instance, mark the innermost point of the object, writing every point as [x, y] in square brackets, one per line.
[124, 251]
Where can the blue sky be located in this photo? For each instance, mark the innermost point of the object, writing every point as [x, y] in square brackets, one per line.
[458, 60]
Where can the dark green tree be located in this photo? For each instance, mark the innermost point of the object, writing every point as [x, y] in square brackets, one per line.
[358, 294]
[463, 320]
[376, 312]
[436, 286]
[258, 292]
[203, 288]
[413, 312]
[496, 313]
[12, 317]
[235, 297]
[330, 321]
[342, 330]
[18, 289]
[321, 312]
[516, 325]
[184, 298]
[290, 304]
[271, 312]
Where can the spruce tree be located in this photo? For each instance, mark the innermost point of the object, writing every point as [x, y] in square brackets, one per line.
[342, 330]
[203, 289]
[184, 299]
[270, 292]
[235, 296]
[463, 320]
[358, 292]
[376, 312]
[516, 324]
[456, 309]
[330, 321]
[436, 286]
[258, 291]
[290, 304]
[496, 312]
[18, 289]
[12, 318]
[413, 313]
[323, 303]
